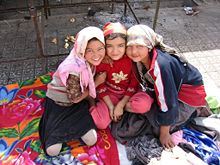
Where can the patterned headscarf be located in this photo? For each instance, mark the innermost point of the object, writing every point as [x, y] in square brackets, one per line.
[145, 36]
[75, 63]
[117, 27]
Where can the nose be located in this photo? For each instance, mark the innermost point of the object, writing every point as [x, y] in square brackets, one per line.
[96, 54]
[133, 50]
[114, 51]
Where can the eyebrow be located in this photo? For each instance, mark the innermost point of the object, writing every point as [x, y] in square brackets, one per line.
[88, 48]
[97, 47]
[118, 44]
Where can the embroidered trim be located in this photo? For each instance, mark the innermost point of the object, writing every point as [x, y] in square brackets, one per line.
[113, 86]
[132, 90]
[102, 90]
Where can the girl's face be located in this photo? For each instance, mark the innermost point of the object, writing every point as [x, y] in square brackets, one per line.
[95, 52]
[115, 48]
[137, 53]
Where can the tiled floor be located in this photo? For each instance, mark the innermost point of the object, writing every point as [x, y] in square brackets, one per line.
[197, 37]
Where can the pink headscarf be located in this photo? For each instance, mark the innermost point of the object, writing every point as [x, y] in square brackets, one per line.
[76, 64]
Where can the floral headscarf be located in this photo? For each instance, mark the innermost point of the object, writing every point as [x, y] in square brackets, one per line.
[76, 64]
[117, 27]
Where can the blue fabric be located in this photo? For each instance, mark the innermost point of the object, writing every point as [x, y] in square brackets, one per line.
[204, 146]
[173, 73]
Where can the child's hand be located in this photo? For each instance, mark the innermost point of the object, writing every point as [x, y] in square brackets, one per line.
[80, 98]
[110, 105]
[118, 112]
[77, 100]
[100, 78]
[165, 137]
[111, 111]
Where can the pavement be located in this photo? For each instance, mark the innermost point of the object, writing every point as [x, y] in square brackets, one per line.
[197, 37]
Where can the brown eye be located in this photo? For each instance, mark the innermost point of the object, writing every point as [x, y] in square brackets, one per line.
[100, 49]
[88, 51]
[108, 46]
[140, 46]
[122, 45]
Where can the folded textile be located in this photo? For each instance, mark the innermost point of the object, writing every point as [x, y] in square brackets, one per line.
[143, 148]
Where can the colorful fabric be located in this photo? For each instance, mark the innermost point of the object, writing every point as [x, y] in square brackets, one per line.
[204, 146]
[75, 64]
[104, 152]
[20, 112]
[117, 27]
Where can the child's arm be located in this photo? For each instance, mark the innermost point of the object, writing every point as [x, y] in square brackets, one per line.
[119, 108]
[165, 137]
[100, 78]
[74, 90]
[110, 105]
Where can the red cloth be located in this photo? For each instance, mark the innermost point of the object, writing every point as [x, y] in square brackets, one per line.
[192, 95]
[107, 143]
[104, 152]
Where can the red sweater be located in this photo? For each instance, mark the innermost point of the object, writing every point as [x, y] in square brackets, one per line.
[120, 77]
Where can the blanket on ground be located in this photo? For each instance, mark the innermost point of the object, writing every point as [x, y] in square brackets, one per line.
[20, 112]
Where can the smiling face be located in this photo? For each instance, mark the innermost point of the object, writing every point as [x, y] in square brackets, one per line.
[95, 52]
[137, 53]
[115, 48]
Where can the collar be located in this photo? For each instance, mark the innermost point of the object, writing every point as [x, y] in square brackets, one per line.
[152, 58]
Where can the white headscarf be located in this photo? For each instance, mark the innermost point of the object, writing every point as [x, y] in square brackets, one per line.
[76, 63]
[145, 36]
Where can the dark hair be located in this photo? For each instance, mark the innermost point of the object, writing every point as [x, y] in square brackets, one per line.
[115, 35]
[93, 39]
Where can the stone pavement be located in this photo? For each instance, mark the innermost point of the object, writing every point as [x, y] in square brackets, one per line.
[197, 37]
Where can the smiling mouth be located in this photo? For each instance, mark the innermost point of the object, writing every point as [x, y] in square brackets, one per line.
[96, 59]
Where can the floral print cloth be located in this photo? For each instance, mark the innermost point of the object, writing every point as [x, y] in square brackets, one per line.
[20, 112]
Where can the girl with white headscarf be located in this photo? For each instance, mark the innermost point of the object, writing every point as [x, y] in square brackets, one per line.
[177, 85]
[66, 116]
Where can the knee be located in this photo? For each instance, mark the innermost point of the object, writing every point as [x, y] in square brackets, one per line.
[141, 103]
[102, 124]
[54, 150]
[90, 138]
[101, 117]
